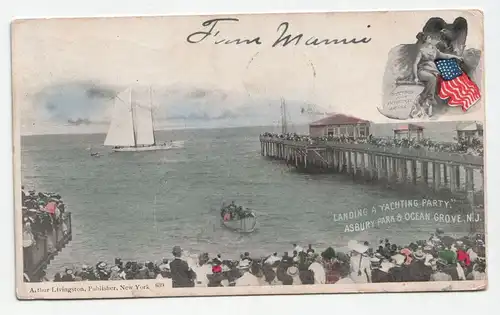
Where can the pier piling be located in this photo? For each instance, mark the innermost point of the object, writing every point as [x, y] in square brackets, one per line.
[394, 165]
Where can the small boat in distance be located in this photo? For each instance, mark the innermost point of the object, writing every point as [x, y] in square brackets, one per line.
[95, 154]
[236, 218]
[131, 128]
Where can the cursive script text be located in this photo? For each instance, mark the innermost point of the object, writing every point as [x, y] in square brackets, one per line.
[198, 37]
[210, 32]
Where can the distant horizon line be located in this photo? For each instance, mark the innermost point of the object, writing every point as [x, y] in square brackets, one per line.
[160, 129]
[220, 127]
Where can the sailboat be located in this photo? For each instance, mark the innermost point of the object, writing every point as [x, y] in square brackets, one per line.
[131, 128]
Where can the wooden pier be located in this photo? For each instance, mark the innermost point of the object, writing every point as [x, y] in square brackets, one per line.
[37, 257]
[436, 171]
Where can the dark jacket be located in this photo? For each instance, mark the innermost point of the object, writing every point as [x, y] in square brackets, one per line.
[182, 275]
[452, 271]
[379, 276]
[418, 271]
[398, 274]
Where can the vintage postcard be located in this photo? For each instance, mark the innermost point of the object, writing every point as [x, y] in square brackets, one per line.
[249, 154]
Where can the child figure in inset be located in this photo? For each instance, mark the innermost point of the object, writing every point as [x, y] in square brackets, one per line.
[425, 70]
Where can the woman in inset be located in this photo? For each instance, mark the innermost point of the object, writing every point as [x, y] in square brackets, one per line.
[426, 71]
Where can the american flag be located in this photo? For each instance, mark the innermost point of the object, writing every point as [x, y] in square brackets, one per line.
[456, 86]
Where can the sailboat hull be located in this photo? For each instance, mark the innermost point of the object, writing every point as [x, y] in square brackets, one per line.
[169, 146]
[142, 149]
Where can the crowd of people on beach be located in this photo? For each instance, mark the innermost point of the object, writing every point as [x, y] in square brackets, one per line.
[42, 213]
[461, 145]
[440, 258]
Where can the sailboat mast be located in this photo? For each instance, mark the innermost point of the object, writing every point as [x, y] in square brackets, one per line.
[151, 110]
[133, 117]
[284, 128]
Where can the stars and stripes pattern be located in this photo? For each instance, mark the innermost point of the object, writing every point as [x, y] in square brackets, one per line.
[456, 86]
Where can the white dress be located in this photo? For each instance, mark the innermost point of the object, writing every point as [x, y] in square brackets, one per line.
[362, 266]
[346, 280]
[319, 273]
[201, 275]
[247, 279]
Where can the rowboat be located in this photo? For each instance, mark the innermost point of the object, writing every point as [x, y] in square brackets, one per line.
[245, 225]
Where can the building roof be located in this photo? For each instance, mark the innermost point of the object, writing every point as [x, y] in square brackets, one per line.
[469, 126]
[409, 127]
[338, 119]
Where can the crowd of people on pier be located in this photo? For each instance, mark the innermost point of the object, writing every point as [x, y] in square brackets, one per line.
[461, 145]
[42, 213]
[440, 258]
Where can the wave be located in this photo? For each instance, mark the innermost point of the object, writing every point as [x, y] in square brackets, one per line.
[165, 160]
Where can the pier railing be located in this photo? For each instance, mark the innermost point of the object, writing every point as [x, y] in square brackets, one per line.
[37, 257]
[400, 152]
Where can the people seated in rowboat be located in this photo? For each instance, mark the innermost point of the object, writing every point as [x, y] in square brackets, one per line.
[235, 212]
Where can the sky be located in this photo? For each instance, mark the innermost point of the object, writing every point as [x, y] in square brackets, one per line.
[70, 69]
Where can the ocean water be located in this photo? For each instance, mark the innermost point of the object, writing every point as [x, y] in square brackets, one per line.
[139, 205]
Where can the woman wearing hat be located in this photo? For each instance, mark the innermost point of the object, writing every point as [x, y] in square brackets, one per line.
[331, 265]
[319, 273]
[248, 278]
[202, 269]
[68, 275]
[478, 270]
[115, 273]
[359, 262]
[294, 273]
[217, 276]
[438, 266]
[101, 270]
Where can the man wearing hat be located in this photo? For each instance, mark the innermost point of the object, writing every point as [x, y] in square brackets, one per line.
[399, 273]
[287, 260]
[182, 275]
[419, 270]
[377, 274]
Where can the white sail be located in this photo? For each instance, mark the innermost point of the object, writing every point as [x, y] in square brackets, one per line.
[121, 129]
[143, 120]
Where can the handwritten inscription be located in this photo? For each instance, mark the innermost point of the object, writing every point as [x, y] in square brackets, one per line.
[211, 32]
